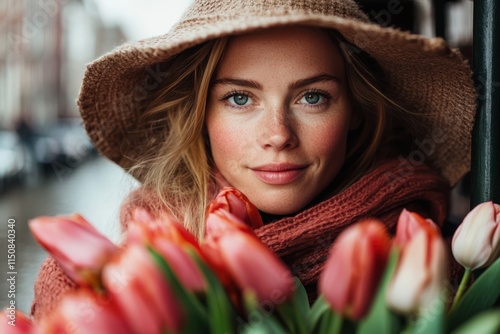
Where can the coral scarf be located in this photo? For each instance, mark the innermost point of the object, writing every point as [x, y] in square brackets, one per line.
[303, 241]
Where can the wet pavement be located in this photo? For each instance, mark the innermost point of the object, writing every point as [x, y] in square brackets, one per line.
[95, 189]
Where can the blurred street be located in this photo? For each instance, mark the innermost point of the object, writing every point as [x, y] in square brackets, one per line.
[95, 189]
[47, 164]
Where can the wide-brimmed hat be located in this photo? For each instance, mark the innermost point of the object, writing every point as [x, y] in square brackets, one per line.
[423, 73]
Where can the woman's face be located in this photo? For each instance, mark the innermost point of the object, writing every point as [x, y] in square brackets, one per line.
[278, 116]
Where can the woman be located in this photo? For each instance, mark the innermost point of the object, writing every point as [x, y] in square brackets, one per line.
[319, 117]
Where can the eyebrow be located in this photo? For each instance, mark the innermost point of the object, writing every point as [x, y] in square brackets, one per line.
[238, 82]
[294, 85]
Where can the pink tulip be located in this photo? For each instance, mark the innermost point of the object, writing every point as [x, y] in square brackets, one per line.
[354, 268]
[476, 242]
[409, 224]
[238, 253]
[220, 222]
[143, 229]
[140, 290]
[83, 311]
[181, 263]
[15, 322]
[76, 245]
[172, 242]
[233, 201]
[420, 273]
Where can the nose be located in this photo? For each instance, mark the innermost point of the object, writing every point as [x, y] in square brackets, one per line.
[277, 130]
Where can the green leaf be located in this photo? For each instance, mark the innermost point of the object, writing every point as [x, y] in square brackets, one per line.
[430, 320]
[195, 313]
[300, 299]
[330, 323]
[262, 324]
[319, 308]
[287, 316]
[220, 311]
[294, 311]
[481, 295]
[485, 323]
[261, 321]
[380, 319]
[326, 321]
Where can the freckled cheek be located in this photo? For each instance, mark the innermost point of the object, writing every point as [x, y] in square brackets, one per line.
[329, 142]
[224, 140]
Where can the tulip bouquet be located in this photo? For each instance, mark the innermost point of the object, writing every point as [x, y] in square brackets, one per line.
[164, 281]
[402, 286]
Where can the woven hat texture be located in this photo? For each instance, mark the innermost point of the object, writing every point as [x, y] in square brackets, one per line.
[425, 74]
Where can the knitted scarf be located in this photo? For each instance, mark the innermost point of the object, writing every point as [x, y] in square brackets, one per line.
[303, 241]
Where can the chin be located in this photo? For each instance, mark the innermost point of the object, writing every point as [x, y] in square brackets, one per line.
[281, 208]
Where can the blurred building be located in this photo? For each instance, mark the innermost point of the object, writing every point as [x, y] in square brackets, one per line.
[44, 47]
[450, 19]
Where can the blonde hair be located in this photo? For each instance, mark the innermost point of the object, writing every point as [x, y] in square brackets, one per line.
[181, 173]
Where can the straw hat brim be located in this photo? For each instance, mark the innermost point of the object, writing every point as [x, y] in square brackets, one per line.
[423, 73]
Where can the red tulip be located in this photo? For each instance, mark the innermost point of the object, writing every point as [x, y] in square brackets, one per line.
[75, 244]
[420, 272]
[219, 223]
[138, 287]
[181, 263]
[139, 229]
[233, 201]
[143, 229]
[354, 268]
[83, 311]
[172, 242]
[476, 242]
[251, 265]
[15, 322]
[409, 224]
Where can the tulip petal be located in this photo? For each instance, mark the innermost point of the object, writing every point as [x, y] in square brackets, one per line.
[15, 322]
[371, 254]
[438, 266]
[235, 202]
[355, 267]
[409, 224]
[141, 292]
[77, 246]
[476, 242]
[254, 267]
[143, 229]
[182, 264]
[410, 277]
[221, 222]
[85, 312]
[420, 273]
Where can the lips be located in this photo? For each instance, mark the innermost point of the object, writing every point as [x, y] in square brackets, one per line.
[279, 173]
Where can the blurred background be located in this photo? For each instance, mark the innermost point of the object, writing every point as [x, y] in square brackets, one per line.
[48, 166]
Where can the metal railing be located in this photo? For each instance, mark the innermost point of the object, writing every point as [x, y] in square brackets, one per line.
[485, 172]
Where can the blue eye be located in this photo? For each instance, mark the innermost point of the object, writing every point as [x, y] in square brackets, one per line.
[239, 99]
[312, 98]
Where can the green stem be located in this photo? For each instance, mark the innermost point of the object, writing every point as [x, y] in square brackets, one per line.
[461, 288]
[337, 324]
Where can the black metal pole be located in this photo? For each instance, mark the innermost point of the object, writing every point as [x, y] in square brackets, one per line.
[485, 170]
